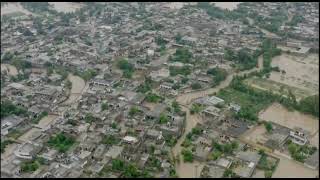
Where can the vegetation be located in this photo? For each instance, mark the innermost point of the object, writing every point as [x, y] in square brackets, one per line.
[185, 70]
[30, 166]
[269, 166]
[61, 142]
[163, 119]
[104, 106]
[300, 153]
[128, 170]
[146, 87]
[226, 148]
[218, 74]
[160, 41]
[269, 50]
[4, 144]
[243, 59]
[251, 103]
[89, 118]
[176, 107]
[310, 105]
[133, 111]
[154, 98]
[181, 55]
[88, 74]
[126, 67]
[195, 108]
[295, 20]
[110, 140]
[187, 155]
[41, 115]
[196, 85]
[268, 126]
[228, 173]
[7, 109]
[68, 84]
[170, 140]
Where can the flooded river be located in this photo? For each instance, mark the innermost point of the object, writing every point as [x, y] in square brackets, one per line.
[78, 85]
[12, 70]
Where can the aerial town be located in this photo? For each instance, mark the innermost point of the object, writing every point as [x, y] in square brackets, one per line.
[159, 89]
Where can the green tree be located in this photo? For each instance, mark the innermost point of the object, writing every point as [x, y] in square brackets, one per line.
[104, 106]
[187, 155]
[196, 85]
[268, 126]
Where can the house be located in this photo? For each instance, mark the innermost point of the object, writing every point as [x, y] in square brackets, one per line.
[99, 151]
[130, 139]
[27, 150]
[313, 161]
[212, 171]
[114, 152]
[299, 137]
[211, 111]
[155, 113]
[201, 153]
[224, 162]
[10, 122]
[143, 159]
[209, 101]
[234, 107]
[248, 163]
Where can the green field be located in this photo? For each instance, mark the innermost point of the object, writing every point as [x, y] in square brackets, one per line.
[243, 99]
[276, 87]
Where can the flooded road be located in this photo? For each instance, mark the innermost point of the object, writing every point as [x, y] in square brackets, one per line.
[78, 85]
[188, 170]
[12, 70]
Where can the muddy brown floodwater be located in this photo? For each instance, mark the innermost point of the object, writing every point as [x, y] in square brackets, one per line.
[188, 170]
[66, 7]
[78, 85]
[291, 119]
[227, 5]
[12, 70]
[288, 168]
[11, 7]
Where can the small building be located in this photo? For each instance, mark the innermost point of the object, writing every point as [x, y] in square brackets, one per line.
[27, 150]
[130, 139]
[298, 137]
[248, 163]
[234, 107]
[114, 152]
[211, 111]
